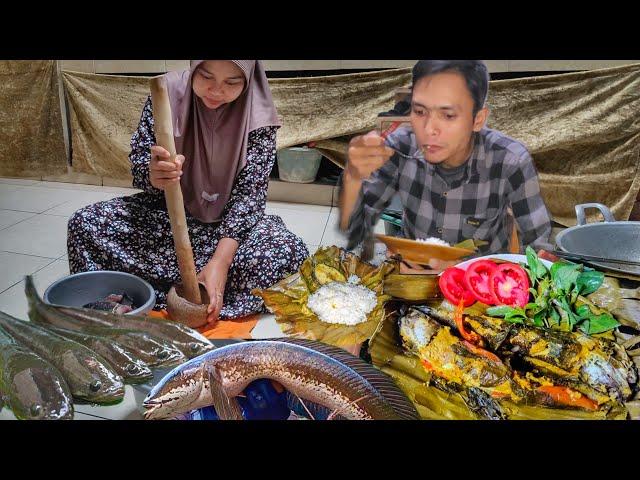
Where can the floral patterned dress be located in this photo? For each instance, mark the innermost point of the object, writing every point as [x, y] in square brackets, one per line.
[133, 234]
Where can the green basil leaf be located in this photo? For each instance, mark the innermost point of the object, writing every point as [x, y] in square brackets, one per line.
[601, 323]
[500, 311]
[564, 275]
[515, 316]
[583, 311]
[536, 267]
[538, 319]
[589, 281]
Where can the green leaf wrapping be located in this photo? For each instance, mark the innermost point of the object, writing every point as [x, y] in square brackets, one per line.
[288, 298]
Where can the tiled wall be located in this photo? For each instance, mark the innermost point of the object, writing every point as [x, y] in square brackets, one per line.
[158, 66]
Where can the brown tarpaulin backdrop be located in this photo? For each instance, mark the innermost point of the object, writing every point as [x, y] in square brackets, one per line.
[105, 110]
[583, 128]
[31, 139]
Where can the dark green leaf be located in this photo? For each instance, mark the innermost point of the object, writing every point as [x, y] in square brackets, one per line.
[589, 281]
[564, 275]
[583, 311]
[585, 326]
[538, 319]
[601, 323]
[536, 269]
[514, 319]
[500, 311]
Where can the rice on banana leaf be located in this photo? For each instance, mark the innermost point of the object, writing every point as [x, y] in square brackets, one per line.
[303, 300]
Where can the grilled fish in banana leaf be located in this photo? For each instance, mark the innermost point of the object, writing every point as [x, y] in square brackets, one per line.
[437, 398]
[598, 363]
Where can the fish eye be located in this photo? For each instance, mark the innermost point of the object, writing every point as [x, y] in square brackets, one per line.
[95, 385]
[193, 346]
[35, 410]
[162, 354]
[132, 368]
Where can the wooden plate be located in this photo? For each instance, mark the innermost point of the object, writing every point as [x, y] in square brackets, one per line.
[422, 252]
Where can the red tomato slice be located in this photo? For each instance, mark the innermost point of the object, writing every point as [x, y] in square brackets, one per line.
[477, 280]
[452, 285]
[510, 285]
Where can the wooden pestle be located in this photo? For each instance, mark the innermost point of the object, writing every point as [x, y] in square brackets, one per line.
[163, 127]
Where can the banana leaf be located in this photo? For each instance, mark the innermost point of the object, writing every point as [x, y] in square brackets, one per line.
[433, 403]
[288, 298]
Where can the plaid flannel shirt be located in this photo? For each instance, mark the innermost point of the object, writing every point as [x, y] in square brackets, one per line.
[499, 174]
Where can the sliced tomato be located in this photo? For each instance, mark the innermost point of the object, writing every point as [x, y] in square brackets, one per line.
[510, 285]
[452, 285]
[476, 279]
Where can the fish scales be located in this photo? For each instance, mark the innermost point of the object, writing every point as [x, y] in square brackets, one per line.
[304, 371]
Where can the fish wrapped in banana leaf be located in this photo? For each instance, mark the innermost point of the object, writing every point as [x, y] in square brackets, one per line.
[445, 397]
[575, 357]
[464, 364]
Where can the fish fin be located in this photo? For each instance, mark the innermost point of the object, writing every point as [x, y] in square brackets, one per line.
[484, 405]
[335, 412]
[306, 409]
[378, 379]
[226, 407]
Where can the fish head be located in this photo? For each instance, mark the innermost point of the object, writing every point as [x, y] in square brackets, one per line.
[178, 392]
[91, 378]
[196, 348]
[417, 329]
[40, 394]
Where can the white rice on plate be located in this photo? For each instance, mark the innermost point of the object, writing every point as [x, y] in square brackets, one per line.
[433, 241]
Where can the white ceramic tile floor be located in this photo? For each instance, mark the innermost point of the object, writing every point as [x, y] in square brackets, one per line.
[41, 235]
[14, 266]
[80, 199]
[33, 223]
[308, 225]
[332, 234]
[13, 300]
[36, 199]
[11, 217]
[267, 327]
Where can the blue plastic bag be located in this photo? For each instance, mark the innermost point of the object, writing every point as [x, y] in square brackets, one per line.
[261, 401]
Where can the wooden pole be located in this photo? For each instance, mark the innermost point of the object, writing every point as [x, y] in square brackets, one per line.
[163, 128]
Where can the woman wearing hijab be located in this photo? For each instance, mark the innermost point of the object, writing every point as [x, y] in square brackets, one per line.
[225, 124]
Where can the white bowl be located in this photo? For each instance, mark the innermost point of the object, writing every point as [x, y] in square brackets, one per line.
[507, 257]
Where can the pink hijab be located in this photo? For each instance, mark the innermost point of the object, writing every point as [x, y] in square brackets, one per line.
[214, 142]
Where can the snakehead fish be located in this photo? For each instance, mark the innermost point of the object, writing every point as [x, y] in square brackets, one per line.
[313, 371]
[31, 387]
[154, 351]
[188, 341]
[123, 360]
[89, 376]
